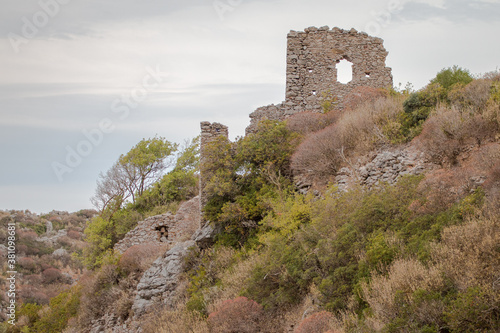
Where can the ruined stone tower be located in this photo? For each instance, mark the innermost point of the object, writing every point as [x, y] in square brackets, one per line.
[311, 77]
[311, 71]
[209, 132]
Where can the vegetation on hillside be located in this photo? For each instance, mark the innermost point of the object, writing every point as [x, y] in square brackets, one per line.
[420, 255]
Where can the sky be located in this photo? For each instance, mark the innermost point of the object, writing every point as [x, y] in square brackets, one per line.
[82, 81]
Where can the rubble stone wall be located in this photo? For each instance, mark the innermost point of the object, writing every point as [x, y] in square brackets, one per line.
[209, 132]
[180, 227]
[311, 71]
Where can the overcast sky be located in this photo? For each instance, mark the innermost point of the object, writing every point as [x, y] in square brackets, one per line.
[73, 72]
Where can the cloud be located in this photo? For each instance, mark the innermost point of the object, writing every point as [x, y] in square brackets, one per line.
[458, 11]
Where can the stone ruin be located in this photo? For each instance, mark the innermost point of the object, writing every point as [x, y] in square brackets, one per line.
[311, 77]
[311, 70]
[165, 228]
[209, 132]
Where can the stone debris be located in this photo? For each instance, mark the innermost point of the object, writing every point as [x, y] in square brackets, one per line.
[384, 167]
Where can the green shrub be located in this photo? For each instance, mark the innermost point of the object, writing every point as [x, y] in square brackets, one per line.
[448, 77]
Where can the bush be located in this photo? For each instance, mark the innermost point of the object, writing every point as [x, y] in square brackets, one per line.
[456, 290]
[28, 264]
[448, 77]
[61, 308]
[448, 131]
[52, 275]
[98, 293]
[472, 97]
[316, 323]
[442, 136]
[73, 234]
[363, 95]
[34, 294]
[305, 123]
[238, 315]
[356, 132]
[138, 258]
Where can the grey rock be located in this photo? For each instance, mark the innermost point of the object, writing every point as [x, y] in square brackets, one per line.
[60, 252]
[161, 279]
[204, 236]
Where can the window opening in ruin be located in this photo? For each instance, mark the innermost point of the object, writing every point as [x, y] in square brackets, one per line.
[162, 233]
[344, 71]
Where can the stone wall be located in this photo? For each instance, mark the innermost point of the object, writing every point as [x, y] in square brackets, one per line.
[209, 132]
[179, 227]
[311, 71]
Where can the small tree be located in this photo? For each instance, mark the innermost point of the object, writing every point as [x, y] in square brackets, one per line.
[133, 173]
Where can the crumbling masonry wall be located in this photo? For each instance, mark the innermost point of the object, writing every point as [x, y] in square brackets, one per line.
[179, 227]
[209, 132]
[311, 72]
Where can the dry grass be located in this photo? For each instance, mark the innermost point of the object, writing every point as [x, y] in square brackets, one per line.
[449, 130]
[175, 321]
[305, 123]
[468, 254]
[232, 281]
[467, 257]
[139, 258]
[405, 277]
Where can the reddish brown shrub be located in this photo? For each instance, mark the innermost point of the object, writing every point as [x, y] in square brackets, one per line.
[319, 155]
[473, 96]
[139, 257]
[360, 95]
[316, 323]
[237, 315]
[52, 275]
[27, 263]
[448, 131]
[441, 138]
[74, 234]
[310, 122]
[442, 188]
[356, 132]
[30, 294]
[21, 248]
[27, 234]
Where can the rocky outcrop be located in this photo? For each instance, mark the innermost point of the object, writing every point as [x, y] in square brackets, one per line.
[158, 284]
[204, 237]
[52, 237]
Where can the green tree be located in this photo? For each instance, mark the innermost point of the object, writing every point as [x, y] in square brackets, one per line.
[448, 77]
[133, 173]
[180, 184]
[241, 177]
